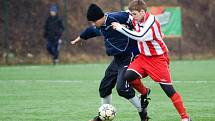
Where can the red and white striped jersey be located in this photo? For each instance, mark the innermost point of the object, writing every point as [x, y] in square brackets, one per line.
[148, 34]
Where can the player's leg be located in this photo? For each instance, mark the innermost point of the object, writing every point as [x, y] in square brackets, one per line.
[158, 69]
[134, 73]
[176, 100]
[134, 80]
[125, 90]
[123, 87]
[107, 84]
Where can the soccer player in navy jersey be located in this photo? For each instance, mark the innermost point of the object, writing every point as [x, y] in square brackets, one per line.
[120, 47]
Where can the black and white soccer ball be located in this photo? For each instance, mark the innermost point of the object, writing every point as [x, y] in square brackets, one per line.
[107, 112]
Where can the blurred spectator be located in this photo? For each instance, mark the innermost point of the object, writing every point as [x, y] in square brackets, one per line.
[53, 32]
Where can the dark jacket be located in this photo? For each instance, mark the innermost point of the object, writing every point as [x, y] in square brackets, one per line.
[53, 28]
[115, 42]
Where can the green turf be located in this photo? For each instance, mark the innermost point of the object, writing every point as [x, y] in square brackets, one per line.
[70, 93]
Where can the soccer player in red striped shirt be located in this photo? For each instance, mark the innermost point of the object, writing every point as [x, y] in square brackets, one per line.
[153, 60]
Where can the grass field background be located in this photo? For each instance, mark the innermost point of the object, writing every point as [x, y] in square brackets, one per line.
[70, 93]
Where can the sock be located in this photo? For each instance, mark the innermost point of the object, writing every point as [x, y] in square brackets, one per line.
[177, 102]
[107, 99]
[135, 101]
[138, 85]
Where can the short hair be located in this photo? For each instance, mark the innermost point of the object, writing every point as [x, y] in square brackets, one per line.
[137, 5]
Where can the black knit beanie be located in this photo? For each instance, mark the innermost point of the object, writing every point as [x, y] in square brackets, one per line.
[94, 13]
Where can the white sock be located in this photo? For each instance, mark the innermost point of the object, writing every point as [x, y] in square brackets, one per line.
[107, 99]
[136, 103]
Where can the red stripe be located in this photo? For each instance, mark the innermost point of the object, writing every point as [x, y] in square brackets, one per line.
[160, 42]
[159, 28]
[162, 45]
[150, 45]
[141, 47]
[134, 24]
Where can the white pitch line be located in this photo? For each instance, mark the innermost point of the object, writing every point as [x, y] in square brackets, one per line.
[185, 82]
[197, 82]
[48, 81]
[93, 81]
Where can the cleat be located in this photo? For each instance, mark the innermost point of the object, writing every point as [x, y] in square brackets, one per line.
[96, 119]
[186, 119]
[144, 116]
[144, 103]
[145, 99]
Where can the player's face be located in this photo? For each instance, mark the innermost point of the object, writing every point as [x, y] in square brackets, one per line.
[99, 22]
[138, 15]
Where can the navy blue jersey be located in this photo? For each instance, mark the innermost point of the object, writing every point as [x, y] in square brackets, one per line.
[115, 42]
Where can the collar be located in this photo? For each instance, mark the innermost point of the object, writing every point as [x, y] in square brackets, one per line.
[106, 17]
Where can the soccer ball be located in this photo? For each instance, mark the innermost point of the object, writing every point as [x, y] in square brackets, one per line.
[107, 112]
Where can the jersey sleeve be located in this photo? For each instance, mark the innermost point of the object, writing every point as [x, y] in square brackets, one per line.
[139, 36]
[90, 32]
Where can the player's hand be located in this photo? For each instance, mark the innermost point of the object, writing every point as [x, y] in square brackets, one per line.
[116, 25]
[76, 40]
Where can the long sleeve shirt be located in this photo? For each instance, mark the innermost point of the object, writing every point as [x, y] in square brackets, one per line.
[115, 42]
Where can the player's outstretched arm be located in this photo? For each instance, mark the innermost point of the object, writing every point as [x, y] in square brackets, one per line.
[88, 33]
[75, 41]
[139, 36]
